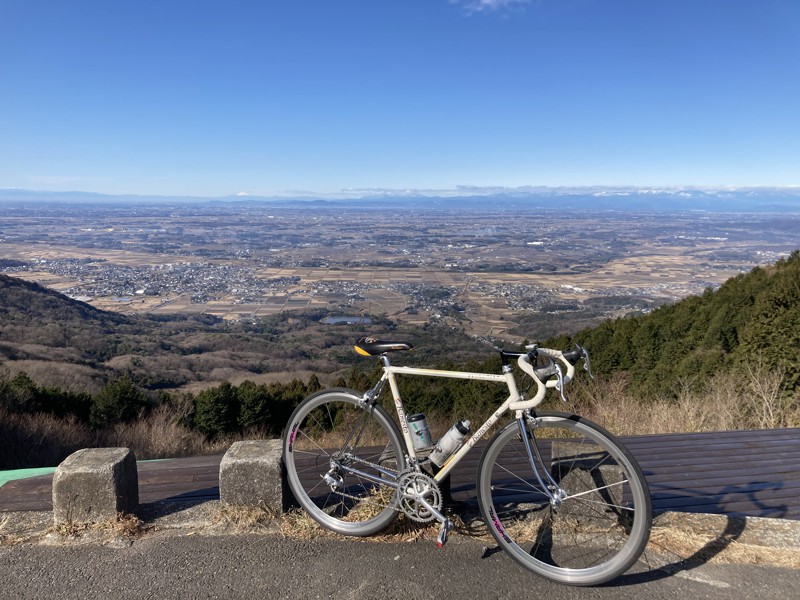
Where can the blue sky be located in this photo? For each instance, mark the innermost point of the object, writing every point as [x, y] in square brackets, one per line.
[217, 97]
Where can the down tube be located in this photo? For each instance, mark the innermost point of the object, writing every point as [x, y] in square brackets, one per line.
[451, 462]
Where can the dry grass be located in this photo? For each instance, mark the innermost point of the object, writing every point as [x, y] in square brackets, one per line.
[702, 546]
[676, 544]
[157, 435]
[41, 439]
[245, 518]
[319, 432]
[727, 403]
[372, 505]
[298, 524]
[123, 525]
[32, 440]
[3, 524]
[753, 401]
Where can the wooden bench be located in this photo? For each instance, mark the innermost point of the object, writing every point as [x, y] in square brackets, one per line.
[737, 473]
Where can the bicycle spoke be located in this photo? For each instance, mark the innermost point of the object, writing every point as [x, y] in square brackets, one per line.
[325, 433]
[589, 533]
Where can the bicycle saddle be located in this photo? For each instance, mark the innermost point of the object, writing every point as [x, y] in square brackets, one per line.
[369, 346]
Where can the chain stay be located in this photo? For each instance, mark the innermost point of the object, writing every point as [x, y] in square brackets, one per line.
[408, 503]
[364, 499]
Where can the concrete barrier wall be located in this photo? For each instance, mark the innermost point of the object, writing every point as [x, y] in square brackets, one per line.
[96, 484]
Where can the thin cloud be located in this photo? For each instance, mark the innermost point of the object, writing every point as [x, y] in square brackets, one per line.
[479, 6]
[61, 180]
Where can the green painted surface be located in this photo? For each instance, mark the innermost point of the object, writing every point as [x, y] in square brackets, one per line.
[6, 476]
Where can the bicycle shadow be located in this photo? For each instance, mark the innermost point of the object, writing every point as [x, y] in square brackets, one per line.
[169, 505]
[661, 559]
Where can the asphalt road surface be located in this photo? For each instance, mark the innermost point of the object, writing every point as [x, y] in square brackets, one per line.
[177, 565]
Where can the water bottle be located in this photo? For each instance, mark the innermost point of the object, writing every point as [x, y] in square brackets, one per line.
[420, 434]
[449, 442]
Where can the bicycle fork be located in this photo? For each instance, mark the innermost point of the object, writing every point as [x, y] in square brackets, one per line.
[556, 494]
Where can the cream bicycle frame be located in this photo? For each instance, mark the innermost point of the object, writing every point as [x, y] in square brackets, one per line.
[515, 401]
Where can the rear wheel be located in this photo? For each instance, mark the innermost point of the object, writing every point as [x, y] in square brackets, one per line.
[599, 523]
[342, 462]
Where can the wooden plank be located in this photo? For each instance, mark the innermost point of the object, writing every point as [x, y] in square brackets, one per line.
[752, 474]
[753, 493]
[725, 457]
[710, 504]
[771, 472]
[731, 435]
[23, 488]
[171, 489]
[24, 505]
[187, 476]
[190, 462]
[166, 495]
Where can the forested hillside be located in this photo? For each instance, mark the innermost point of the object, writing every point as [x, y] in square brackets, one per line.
[64, 343]
[33, 315]
[726, 359]
[752, 320]
[72, 376]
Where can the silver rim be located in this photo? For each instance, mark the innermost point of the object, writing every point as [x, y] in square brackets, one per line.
[350, 501]
[602, 524]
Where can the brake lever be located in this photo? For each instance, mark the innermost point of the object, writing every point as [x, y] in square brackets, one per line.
[587, 364]
[560, 385]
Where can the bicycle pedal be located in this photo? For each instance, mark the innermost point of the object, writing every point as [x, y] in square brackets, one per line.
[444, 532]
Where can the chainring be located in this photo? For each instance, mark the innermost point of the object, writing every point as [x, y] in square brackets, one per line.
[411, 487]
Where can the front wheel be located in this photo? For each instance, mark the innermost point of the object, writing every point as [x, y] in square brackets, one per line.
[589, 518]
[342, 462]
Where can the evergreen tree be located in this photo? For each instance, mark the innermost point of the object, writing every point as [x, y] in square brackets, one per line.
[118, 401]
[20, 394]
[284, 399]
[313, 384]
[774, 330]
[216, 410]
[254, 403]
[61, 403]
[754, 316]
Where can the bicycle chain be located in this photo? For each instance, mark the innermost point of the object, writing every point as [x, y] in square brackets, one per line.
[365, 499]
[397, 506]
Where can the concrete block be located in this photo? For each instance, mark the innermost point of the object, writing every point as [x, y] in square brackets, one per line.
[250, 474]
[94, 484]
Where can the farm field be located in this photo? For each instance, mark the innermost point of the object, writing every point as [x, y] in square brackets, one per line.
[484, 272]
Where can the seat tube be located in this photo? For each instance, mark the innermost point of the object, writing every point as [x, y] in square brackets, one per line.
[401, 413]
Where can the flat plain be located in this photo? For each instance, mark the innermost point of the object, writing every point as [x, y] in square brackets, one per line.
[484, 271]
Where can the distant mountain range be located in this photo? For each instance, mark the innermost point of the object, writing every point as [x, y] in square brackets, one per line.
[667, 199]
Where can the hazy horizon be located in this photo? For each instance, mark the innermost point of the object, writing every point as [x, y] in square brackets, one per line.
[458, 192]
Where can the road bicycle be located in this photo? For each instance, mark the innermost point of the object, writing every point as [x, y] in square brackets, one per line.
[559, 493]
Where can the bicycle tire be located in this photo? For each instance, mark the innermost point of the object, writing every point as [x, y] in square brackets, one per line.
[602, 525]
[313, 447]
